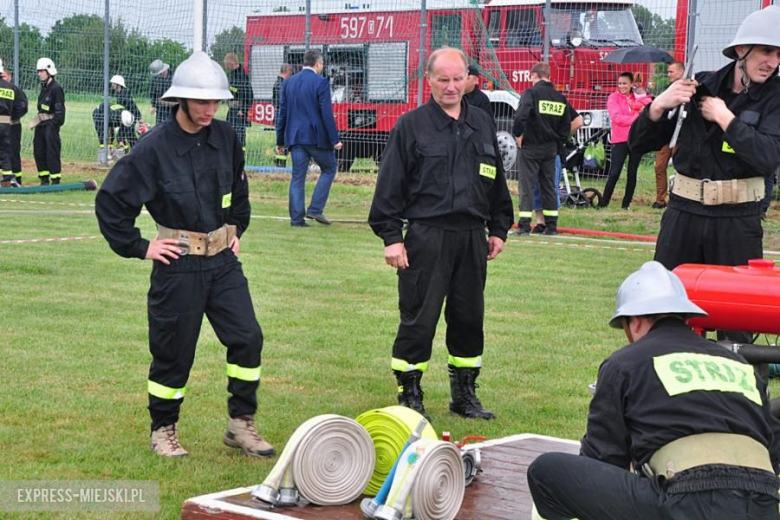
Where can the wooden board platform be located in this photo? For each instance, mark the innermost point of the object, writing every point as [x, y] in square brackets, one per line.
[499, 492]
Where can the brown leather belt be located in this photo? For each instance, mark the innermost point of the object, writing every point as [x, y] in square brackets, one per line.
[716, 193]
[709, 448]
[200, 244]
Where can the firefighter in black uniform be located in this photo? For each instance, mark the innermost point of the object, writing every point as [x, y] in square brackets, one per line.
[51, 116]
[243, 96]
[689, 416]
[728, 144]
[441, 171]
[126, 137]
[161, 82]
[12, 107]
[542, 123]
[285, 72]
[473, 95]
[189, 174]
[20, 110]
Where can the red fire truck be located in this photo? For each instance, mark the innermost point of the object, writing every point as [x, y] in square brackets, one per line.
[373, 58]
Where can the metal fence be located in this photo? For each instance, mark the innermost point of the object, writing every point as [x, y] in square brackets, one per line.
[373, 49]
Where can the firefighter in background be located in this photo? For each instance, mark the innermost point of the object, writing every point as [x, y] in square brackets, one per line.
[442, 172]
[161, 82]
[117, 118]
[280, 161]
[729, 143]
[126, 136]
[541, 124]
[51, 116]
[9, 108]
[20, 110]
[473, 95]
[690, 417]
[189, 174]
[243, 96]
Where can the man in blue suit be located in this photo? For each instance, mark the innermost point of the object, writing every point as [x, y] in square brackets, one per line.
[306, 126]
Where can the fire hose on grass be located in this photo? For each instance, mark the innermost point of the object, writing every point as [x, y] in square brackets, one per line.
[89, 185]
[328, 461]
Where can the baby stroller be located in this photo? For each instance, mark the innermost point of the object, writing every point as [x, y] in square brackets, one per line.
[572, 160]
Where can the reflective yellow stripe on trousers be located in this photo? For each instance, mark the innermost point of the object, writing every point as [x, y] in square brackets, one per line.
[243, 373]
[165, 392]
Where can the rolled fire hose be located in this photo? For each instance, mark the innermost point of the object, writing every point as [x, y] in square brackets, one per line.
[328, 461]
[428, 483]
[389, 428]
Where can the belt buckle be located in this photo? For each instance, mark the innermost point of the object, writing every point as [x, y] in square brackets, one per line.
[704, 182]
[184, 244]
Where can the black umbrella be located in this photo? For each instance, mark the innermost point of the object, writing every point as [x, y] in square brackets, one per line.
[638, 54]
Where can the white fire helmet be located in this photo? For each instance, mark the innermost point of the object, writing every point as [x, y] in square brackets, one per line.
[119, 80]
[759, 28]
[199, 77]
[48, 65]
[158, 67]
[127, 118]
[652, 290]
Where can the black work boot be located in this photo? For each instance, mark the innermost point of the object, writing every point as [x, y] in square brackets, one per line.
[464, 400]
[410, 393]
[55, 180]
[44, 180]
[552, 227]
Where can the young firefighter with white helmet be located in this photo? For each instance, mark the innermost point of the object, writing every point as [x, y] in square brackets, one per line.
[679, 426]
[12, 107]
[51, 116]
[729, 142]
[189, 174]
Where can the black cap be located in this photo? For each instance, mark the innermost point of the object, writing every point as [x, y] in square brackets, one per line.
[473, 71]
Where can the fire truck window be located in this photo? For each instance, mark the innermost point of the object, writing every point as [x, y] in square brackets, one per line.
[522, 29]
[345, 65]
[445, 30]
[494, 28]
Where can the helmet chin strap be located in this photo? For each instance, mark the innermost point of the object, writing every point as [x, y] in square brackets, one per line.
[744, 79]
[186, 109]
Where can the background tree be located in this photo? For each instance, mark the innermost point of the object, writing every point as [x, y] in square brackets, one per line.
[229, 40]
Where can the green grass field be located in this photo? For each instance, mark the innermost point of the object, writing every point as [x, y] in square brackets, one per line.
[75, 340]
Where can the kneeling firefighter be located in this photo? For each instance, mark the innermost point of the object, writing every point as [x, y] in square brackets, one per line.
[689, 417]
[189, 174]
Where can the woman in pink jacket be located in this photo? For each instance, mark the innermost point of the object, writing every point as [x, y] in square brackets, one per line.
[624, 106]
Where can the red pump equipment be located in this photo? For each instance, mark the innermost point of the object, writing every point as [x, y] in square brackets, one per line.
[745, 298]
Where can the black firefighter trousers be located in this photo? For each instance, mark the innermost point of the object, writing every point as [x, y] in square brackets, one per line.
[177, 301]
[566, 486]
[442, 264]
[537, 162]
[46, 148]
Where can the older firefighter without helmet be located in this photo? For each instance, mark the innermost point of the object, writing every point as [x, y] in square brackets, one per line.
[196, 270]
[688, 416]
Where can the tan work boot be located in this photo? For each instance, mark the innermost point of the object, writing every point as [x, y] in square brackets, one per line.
[241, 433]
[165, 442]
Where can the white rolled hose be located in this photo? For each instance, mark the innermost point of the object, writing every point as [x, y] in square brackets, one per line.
[428, 483]
[328, 461]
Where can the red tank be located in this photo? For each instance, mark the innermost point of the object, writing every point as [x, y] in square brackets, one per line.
[745, 298]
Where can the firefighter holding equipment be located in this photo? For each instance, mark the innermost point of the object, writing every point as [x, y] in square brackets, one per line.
[442, 172]
[688, 416]
[728, 143]
[189, 174]
[51, 116]
[541, 125]
[13, 105]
